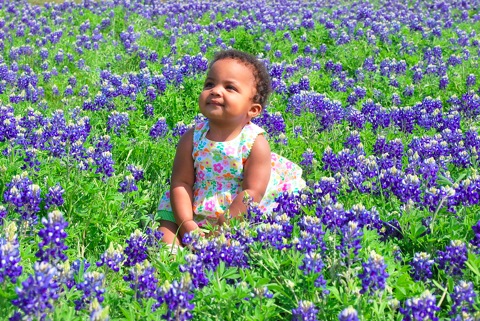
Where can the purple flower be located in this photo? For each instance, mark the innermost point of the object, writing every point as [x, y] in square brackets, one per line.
[24, 196]
[148, 110]
[443, 82]
[142, 280]
[177, 296]
[160, 129]
[471, 80]
[10, 255]
[476, 238]
[421, 266]
[305, 311]
[420, 308]
[348, 314]
[118, 122]
[54, 196]
[308, 159]
[374, 274]
[463, 298]
[311, 263]
[195, 268]
[136, 250]
[105, 164]
[38, 292]
[112, 257]
[3, 214]
[453, 259]
[350, 244]
[137, 171]
[92, 287]
[52, 246]
[128, 185]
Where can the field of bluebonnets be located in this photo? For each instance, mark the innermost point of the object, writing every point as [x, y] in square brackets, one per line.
[378, 102]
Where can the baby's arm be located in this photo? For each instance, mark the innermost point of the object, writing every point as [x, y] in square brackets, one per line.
[181, 187]
[256, 174]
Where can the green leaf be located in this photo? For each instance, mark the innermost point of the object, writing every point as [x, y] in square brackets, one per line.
[472, 264]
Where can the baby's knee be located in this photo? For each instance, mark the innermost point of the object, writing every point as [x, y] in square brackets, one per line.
[170, 231]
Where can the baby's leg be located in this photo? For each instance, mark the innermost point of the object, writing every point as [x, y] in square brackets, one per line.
[169, 230]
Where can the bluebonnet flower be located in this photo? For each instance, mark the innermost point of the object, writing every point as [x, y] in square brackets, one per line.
[24, 196]
[128, 185]
[137, 171]
[409, 90]
[10, 255]
[306, 311]
[420, 308]
[463, 298]
[348, 314]
[159, 129]
[308, 160]
[78, 264]
[421, 266]
[180, 128]
[118, 122]
[112, 257]
[177, 296]
[476, 237]
[92, 287]
[142, 279]
[51, 248]
[350, 243]
[312, 263]
[136, 250]
[233, 253]
[453, 259]
[471, 80]
[148, 110]
[195, 268]
[3, 214]
[311, 235]
[374, 274]
[54, 196]
[443, 82]
[37, 294]
[105, 164]
[68, 91]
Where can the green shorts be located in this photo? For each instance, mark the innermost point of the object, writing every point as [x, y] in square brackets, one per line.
[165, 216]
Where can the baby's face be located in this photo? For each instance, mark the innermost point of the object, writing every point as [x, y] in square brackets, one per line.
[227, 95]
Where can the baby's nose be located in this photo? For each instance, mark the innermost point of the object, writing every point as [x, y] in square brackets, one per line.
[215, 91]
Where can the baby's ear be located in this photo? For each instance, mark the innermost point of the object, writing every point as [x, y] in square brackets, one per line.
[255, 110]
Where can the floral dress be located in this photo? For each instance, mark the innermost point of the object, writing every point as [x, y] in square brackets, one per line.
[219, 174]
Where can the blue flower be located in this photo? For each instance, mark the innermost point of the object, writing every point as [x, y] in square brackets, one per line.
[420, 308]
[453, 259]
[51, 248]
[142, 280]
[421, 266]
[306, 311]
[463, 298]
[38, 292]
[10, 255]
[374, 274]
[348, 314]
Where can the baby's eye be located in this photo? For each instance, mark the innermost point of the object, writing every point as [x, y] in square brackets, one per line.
[208, 85]
[230, 87]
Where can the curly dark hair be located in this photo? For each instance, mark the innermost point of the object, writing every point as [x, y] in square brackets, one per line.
[260, 73]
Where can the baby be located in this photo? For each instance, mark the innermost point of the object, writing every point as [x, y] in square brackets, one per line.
[226, 156]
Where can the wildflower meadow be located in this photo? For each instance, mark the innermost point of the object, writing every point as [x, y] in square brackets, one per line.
[378, 101]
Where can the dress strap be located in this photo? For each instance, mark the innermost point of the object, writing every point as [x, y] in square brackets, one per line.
[249, 133]
[199, 132]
